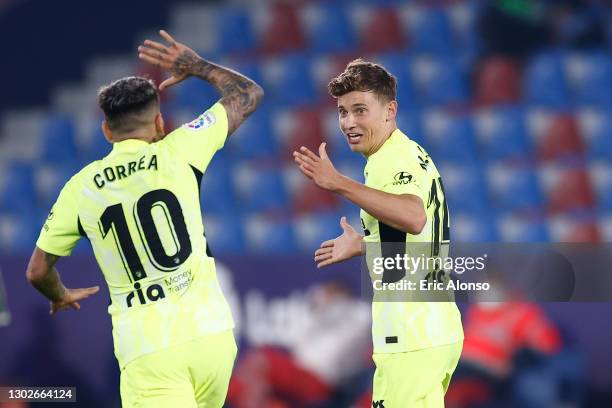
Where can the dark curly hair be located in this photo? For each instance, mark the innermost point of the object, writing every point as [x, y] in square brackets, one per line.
[362, 75]
[126, 100]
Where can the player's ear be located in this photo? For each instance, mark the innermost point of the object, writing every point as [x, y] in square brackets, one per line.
[159, 124]
[107, 132]
[391, 110]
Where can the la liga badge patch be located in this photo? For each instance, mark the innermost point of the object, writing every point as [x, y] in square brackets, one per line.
[205, 120]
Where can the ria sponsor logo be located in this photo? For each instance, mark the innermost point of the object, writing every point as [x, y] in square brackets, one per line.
[152, 293]
[402, 177]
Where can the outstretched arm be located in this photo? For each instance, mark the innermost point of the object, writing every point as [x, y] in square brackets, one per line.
[44, 277]
[341, 248]
[239, 94]
[401, 211]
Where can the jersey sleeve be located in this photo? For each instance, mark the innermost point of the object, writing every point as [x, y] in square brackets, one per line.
[61, 231]
[399, 175]
[198, 141]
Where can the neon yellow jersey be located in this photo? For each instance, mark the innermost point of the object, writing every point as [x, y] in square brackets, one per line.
[140, 209]
[401, 166]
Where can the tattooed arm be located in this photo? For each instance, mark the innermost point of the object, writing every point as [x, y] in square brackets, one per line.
[239, 94]
[44, 277]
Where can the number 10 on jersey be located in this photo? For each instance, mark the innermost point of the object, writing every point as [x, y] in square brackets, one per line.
[114, 220]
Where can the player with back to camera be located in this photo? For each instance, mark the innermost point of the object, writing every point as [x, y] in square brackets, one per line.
[140, 209]
[416, 344]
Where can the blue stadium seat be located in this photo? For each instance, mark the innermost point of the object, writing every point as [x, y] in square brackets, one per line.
[601, 177]
[463, 18]
[430, 31]
[269, 235]
[236, 32]
[544, 81]
[513, 188]
[409, 121]
[58, 138]
[502, 134]
[17, 192]
[288, 81]
[217, 195]
[352, 166]
[254, 138]
[224, 232]
[449, 137]
[596, 126]
[247, 67]
[18, 232]
[473, 227]
[337, 144]
[591, 78]
[439, 80]
[98, 146]
[312, 229]
[464, 186]
[353, 215]
[194, 94]
[49, 178]
[329, 28]
[338, 149]
[515, 228]
[259, 189]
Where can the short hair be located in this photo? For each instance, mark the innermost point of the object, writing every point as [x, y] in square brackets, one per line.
[362, 75]
[125, 100]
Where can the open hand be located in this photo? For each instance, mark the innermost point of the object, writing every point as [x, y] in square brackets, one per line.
[341, 248]
[71, 299]
[319, 169]
[176, 58]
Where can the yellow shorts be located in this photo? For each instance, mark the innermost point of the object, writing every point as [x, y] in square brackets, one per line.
[192, 374]
[415, 379]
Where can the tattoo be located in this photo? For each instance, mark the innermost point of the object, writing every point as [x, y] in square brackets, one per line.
[240, 95]
[43, 275]
[51, 285]
[185, 64]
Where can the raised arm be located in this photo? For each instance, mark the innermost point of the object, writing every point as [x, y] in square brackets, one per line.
[239, 94]
[41, 273]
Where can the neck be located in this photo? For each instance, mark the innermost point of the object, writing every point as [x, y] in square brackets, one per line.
[147, 134]
[376, 146]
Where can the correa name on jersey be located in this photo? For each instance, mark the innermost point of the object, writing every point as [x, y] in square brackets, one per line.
[120, 171]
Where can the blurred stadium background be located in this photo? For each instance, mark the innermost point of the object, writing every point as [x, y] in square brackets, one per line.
[512, 99]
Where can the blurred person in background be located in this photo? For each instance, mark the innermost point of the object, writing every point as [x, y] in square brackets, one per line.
[520, 27]
[140, 209]
[511, 355]
[514, 27]
[417, 344]
[579, 24]
[321, 368]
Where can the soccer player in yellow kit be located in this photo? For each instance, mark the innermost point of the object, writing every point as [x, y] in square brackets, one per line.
[417, 344]
[140, 209]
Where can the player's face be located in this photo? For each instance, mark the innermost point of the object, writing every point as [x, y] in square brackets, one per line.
[363, 120]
